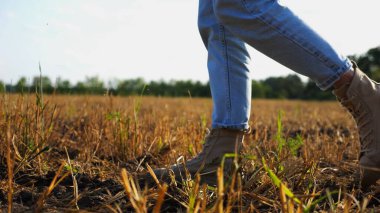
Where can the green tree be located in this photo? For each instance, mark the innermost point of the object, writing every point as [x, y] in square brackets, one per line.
[276, 88]
[94, 85]
[369, 63]
[201, 90]
[313, 92]
[131, 87]
[21, 85]
[182, 88]
[294, 86]
[80, 88]
[160, 88]
[290, 87]
[2, 87]
[63, 86]
[259, 89]
[46, 84]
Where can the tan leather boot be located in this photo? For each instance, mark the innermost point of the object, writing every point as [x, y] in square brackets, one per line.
[362, 99]
[217, 143]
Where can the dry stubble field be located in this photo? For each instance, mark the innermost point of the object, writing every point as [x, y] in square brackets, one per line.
[65, 153]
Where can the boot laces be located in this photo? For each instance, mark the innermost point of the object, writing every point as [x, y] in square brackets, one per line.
[208, 146]
[360, 114]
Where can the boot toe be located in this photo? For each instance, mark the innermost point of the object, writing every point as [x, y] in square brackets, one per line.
[147, 180]
[369, 178]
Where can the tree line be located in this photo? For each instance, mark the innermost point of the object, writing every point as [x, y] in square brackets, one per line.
[288, 87]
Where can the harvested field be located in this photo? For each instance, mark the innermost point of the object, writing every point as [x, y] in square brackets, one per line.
[66, 153]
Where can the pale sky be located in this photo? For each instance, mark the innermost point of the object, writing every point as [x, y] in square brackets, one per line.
[153, 39]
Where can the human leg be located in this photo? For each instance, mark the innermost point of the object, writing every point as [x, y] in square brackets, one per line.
[227, 63]
[275, 31]
[278, 33]
[230, 86]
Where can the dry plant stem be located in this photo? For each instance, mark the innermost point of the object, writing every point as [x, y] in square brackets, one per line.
[111, 209]
[290, 206]
[86, 125]
[160, 199]
[283, 199]
[75, 183]
[151, 172]
[204, 200]
[10, 169]
[357, 203]
[138, 202]
[347, 203]
[231, 193]
[299, 209]
[52, 185]
[220, 190]
[194, 205]
[37, 137]
[261, 199]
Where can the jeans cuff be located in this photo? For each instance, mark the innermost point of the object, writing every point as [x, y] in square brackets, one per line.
[242, 126]
[327, 84]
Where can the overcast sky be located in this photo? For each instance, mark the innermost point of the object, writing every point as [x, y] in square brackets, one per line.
[153, 39]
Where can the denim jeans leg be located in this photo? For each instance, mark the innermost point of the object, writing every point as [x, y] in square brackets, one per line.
[278, 33]
[228, 71]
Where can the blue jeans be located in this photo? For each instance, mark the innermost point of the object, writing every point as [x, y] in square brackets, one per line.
[227, 25]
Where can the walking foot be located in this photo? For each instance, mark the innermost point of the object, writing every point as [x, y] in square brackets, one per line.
[362, 99]
[217, 143]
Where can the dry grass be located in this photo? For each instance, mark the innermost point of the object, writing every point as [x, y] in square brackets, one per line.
[98, 136]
